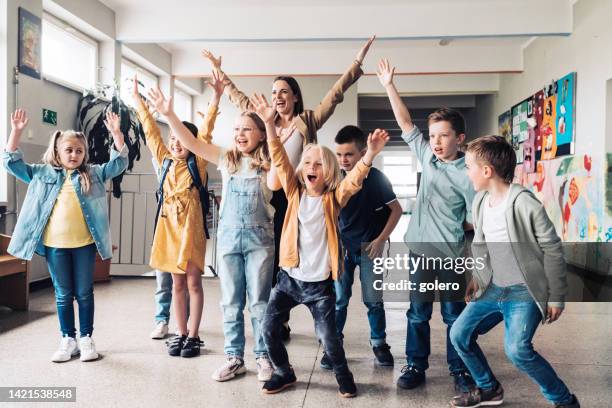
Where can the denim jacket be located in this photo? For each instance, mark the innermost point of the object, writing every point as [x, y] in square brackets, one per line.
[45, 184]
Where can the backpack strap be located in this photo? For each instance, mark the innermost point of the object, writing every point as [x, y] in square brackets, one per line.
[192, 165]
[160, 190]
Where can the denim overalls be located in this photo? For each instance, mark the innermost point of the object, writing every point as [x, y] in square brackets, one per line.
[245, 249]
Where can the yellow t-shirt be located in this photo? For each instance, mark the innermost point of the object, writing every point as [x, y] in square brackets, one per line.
[66, 227]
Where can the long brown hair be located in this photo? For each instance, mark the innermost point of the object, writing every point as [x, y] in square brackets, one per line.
[260, 156]
[51, 155]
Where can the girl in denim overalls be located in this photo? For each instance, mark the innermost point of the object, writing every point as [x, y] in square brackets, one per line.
[245, 237]
[64, 218]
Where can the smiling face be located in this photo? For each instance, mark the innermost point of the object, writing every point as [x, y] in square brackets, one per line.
[247, 136]
[177, 150]
[283, 98]
[444, 141]
[312, 171]
[71, 152]
[348, 155]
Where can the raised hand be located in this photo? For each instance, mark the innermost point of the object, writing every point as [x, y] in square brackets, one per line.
[263, 108]
[112, 122]
[364, 50]
[215, 62]
[159, 101]
[217, 84]
[377, 141]
[19, 120]
[135, 94]
[385, 72]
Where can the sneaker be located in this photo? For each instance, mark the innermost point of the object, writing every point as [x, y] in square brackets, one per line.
[382, 355]
[346, 385]
[160, 331]
[88, 349]
[479, 398]
[68, 348]
[572, 403]
[279, 382]
[175, 345]
[232, 367]
[326, 363]
[286, 332]
[191, 347]
[463, 381]
[411, 377]
[264, 369]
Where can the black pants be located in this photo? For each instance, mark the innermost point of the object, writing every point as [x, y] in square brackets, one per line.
[320, 299]
[279, 202]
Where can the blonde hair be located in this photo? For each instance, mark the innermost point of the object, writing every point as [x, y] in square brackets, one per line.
[51, 155]
[260, 155]
[331, 169]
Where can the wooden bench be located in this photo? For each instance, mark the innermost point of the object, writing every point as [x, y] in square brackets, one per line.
[14, 288]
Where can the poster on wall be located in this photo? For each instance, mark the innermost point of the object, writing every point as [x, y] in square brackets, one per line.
[565, 114]
[538, 116]
[547, 128]
[504, 127]
[29, 54]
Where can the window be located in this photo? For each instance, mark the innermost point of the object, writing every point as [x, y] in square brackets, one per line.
[183, 105]
[69, 57]
[146, 78]
[401, 171]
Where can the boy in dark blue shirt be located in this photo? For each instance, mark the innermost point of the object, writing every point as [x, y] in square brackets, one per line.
[369, 217]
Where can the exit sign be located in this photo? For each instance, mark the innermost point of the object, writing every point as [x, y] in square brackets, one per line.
[49, 116]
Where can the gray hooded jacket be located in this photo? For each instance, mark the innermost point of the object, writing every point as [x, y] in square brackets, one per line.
[535, 244]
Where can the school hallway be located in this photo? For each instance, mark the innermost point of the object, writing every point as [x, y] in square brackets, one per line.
[135, 371]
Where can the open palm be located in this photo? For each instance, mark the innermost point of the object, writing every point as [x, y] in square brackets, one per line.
[377, 140]
[385, 72]
[159, 101]
[19, 120]
[263, 108]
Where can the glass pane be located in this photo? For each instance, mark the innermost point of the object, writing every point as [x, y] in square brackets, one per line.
[182, 105]
[407, 160]
[60, 50]
[400, 174]
[127, 75]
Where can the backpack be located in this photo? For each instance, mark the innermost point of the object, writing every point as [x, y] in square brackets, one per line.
[192, 166]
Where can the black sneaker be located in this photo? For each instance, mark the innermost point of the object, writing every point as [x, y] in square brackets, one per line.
[175, 345]
[191, 347]
[463, 381]
[286, 333]
[346, 385]
[478, 397]
[382, 355]
[572, 403]
[411, 377]
[279, 382]
[326, 363]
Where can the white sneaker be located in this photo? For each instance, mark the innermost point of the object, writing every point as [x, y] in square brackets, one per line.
[68, 348]
[232, 367]
[264, 369]
[160, 331]
[88, 349]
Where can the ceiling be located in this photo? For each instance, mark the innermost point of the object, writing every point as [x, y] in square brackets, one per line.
[321, 37]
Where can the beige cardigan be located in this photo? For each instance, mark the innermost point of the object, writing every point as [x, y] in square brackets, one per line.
[309, 121]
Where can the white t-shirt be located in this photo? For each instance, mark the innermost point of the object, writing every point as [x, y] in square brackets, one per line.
[315, 265]
[293, 147]
[506, 271]
[246, 171]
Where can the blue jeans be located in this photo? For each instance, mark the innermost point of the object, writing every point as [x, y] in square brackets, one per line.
[72, 271]
[163, 296]
[319, 297]
[521, 317]
[418, 343]
[372, 299]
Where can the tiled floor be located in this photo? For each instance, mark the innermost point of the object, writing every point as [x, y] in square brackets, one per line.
[135, 371]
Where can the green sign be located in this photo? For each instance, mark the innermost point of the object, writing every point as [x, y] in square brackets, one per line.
[49, 116]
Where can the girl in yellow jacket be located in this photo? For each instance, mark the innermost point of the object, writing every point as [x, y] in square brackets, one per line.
[310, 254]
[179, 243]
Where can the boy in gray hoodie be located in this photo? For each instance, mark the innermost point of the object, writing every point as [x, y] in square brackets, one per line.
[523, 277]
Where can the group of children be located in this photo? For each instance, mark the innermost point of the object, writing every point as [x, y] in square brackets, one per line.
[337, 213]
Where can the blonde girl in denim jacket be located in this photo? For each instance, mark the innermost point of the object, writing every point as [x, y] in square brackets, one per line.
[64, 218]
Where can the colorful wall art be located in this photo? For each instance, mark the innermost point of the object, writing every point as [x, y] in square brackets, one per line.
[542, 126]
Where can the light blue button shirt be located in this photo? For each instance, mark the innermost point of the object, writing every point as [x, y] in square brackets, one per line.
[45, 183]
[444, 200]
